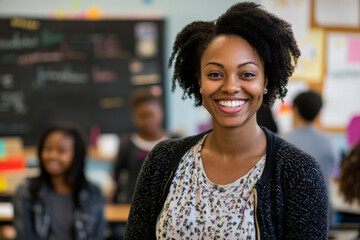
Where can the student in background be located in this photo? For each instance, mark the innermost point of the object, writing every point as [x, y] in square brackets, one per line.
[238, 180]
[148, 116]
[60, 203]
[349, 179]
[306, 108]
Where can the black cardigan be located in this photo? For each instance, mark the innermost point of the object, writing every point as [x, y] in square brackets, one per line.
[292, 201]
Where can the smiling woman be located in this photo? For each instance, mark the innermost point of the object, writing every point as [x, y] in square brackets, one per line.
[237, 181]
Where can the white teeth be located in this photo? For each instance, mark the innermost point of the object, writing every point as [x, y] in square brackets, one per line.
[231, 104]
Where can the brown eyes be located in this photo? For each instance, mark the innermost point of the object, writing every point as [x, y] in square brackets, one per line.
[248, 75]
[217, 75]
[214, 75]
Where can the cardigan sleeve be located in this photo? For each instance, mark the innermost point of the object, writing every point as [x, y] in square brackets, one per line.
[306, 206]
[140, 224]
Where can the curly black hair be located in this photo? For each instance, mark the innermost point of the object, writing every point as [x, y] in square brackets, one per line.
[269, 35]
[350, 175]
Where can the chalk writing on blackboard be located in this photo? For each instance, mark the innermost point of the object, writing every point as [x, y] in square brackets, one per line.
[18, 42]
[64, 75]
[12, 101]
[7, 81]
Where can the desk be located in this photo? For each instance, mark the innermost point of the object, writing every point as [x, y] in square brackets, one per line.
[112, 212]
[117, 212]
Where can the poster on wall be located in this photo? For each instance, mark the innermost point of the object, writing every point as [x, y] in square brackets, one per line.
[341, 101]
[334, 13]
[310, 63]
[295, 12]
[341, 88]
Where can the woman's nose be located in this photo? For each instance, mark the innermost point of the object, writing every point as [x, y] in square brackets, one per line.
[231, 84]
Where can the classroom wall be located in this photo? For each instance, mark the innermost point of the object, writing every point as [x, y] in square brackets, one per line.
[176, 13]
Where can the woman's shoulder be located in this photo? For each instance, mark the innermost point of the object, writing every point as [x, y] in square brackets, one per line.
[286, 153]
[290, 160]
[292, 155]
[296, 166]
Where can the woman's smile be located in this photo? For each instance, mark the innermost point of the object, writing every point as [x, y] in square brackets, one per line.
[231, 106]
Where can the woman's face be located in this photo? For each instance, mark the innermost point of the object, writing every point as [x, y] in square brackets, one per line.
[232, 81]
[58, 153]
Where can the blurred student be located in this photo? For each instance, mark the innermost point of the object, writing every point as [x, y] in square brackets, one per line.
[60, 203]
[306, 108]
[349, 184]
[148, 116]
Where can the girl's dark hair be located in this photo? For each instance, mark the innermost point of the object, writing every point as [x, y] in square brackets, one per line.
[350, 175]
[75, 176]
[143, 95]
[270, 36]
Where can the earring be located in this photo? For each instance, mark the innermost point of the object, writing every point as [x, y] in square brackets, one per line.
[265, 91]
[200, 91]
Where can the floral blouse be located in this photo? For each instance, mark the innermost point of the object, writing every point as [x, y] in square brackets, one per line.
[197, 208]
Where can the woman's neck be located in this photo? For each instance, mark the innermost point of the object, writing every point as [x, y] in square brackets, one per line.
[60, 185]
[244, 141]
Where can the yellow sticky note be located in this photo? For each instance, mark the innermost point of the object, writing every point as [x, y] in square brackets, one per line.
[94, 13]
[3, 183]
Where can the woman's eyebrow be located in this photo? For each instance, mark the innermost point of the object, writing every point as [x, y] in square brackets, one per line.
[215, 63]
[246, 63]
[222, 66]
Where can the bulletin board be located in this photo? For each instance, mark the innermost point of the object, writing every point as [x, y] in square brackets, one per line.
[335, 71]
[77, 71]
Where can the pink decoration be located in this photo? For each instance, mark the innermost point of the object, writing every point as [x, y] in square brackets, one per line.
[354, 50]
[353, 131]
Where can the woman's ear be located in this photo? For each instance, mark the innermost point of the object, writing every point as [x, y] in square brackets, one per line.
[265, 82]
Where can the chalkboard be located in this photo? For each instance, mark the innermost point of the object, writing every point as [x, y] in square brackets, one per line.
[75, 71]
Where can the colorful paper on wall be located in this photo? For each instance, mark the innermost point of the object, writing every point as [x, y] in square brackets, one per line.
[3, 183]
[345, 13]
[2, 149]
[343, 54]
[354, 50]
[342, 100]
[296, 12]
[310, 64]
